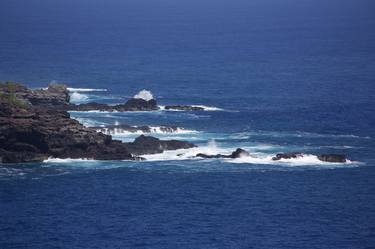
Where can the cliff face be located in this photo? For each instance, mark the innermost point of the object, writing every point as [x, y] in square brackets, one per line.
[33, 133]
[33, 127]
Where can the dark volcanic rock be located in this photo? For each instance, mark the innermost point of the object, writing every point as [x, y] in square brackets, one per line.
[184, 108]
[55, 95]
[33, 127]
[139, 105]
[239, 153]
[92, 106]
[130, 105]
[235, 154]
[332, 158]
[34, 133]
[287, 156]
[151, 145]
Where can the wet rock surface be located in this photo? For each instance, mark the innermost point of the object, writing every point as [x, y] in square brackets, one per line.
[291, 155]
[332, 158]
[238, 153]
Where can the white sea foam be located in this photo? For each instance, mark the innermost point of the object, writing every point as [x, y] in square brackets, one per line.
[77, 98]
[71, 89]
[144, 94]
[153, 129]
[186, 154]
[94, 111]
[209, 108]
[67, 160]
[305, 160]
[255, 157]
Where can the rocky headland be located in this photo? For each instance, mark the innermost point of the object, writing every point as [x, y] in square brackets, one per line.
[34, 125]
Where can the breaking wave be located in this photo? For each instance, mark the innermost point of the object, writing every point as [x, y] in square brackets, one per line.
[153, 130]
[77, 98]
[255, 157]
[144, 94]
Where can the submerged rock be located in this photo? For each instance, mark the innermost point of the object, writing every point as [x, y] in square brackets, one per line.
[235, 154]
[332, 158]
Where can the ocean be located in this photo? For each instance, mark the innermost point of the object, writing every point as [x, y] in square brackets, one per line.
[273, 76]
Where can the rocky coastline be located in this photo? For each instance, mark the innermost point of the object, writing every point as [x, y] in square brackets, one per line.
[35, 125]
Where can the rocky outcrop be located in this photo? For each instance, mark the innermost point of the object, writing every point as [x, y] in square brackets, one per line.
[56, 95]
[33, 134]
[33, 128]
[151, 145]
[290, 155]
[238, 153]
[183, 108]
[332, 158]
[130, 105]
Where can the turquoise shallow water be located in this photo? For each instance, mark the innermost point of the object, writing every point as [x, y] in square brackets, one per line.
[277, 76]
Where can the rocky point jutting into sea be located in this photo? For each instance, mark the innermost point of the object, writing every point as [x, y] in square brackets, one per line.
[36, 125]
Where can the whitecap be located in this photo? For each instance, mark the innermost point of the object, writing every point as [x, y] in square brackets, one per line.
[77, 98]
[144, 94]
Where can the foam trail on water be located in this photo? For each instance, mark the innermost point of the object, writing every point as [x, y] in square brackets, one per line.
[209, 108]
[299, 134]
[71, 89]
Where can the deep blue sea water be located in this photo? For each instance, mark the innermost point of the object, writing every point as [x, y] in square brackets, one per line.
[281, 75]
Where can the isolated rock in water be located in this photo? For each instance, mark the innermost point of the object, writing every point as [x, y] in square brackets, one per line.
[235, 154]
[332, 158]
[150, 145]
[287, 156]
[130, 105]
[239, 153]
[139, 105]
[184, 108]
